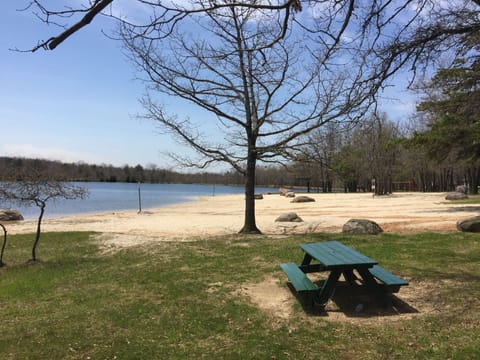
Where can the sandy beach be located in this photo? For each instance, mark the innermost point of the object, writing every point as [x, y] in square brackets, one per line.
[221, 215]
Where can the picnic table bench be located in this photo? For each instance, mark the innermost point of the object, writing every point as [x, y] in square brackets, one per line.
[337, 258]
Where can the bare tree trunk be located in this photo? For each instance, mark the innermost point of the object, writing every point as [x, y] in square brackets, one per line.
[37, 235]
[250, 226]
[3, 245]
[473, 179]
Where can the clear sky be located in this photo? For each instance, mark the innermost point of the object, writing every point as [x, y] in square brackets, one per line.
[78, 102]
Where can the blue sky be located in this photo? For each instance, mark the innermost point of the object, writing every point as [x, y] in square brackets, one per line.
[78, 103]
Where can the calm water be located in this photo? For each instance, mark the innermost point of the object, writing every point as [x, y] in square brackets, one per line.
[122, 196]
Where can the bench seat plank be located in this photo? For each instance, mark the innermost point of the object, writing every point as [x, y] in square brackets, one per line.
[386, 276]
[298, 278]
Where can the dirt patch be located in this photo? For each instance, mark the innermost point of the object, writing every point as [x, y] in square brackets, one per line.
[439, 224]
[271, 297]
[277, 299]
[113, 242]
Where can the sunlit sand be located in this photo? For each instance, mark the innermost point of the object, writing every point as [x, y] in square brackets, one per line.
[221, 215]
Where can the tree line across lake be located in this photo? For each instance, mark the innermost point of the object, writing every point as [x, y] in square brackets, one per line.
[12, 168]
[346, 169]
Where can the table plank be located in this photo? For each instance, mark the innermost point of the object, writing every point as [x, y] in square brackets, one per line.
[333, 254]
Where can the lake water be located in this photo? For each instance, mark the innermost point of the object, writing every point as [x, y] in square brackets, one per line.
[104, 197]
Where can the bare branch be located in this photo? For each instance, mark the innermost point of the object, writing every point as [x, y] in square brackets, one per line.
[170, 16]
[97, 7]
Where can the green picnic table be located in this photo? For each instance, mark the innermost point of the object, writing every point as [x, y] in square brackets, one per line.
[337, 258]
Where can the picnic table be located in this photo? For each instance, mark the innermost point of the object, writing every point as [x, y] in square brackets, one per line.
[337, 259]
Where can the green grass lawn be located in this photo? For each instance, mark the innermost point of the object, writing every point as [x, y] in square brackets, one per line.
[177, 300]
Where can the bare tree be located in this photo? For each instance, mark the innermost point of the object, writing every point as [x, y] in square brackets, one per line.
[430, 30]
[266, 91]
[38, 192]
[319, 153]
[375, 142]
[268, 75]
[417, 30]
[3, 244]
[164, 13]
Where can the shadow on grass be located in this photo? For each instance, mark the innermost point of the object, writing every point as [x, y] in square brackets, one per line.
[355, 302]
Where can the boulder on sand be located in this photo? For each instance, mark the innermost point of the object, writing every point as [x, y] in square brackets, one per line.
[469, 225]
[302, 199]
[289, 217]
[362, 226]
[10, 215]
[456, 196]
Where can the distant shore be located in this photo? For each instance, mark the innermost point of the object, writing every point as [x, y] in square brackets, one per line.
[222, 215]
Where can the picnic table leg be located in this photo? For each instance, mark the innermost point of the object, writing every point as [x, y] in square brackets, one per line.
[349, 276]
[327, 289]
[373, 286]
[307, 259]
[305, 265]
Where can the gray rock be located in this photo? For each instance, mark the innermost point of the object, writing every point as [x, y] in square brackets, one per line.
[302, 199]
[362, 226]
[258, 196]
[456, 196]
[290, 194]
[283, 191]
[10, 215]
[461, 189]
[469, 225]
[289, 217]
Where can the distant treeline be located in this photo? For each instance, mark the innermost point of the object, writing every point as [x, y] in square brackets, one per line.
[12, 168]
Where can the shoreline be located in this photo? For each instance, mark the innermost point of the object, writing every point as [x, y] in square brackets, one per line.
[224, 214]
[121, 197]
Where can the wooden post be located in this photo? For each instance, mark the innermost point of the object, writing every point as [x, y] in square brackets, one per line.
[3, 245]
[139, 199]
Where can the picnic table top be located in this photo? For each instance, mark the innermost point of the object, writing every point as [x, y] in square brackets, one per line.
[333, 254]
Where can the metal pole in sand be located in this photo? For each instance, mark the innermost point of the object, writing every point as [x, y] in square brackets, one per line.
[139, 199]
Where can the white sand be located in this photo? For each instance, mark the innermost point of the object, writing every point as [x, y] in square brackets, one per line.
[219, 215]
